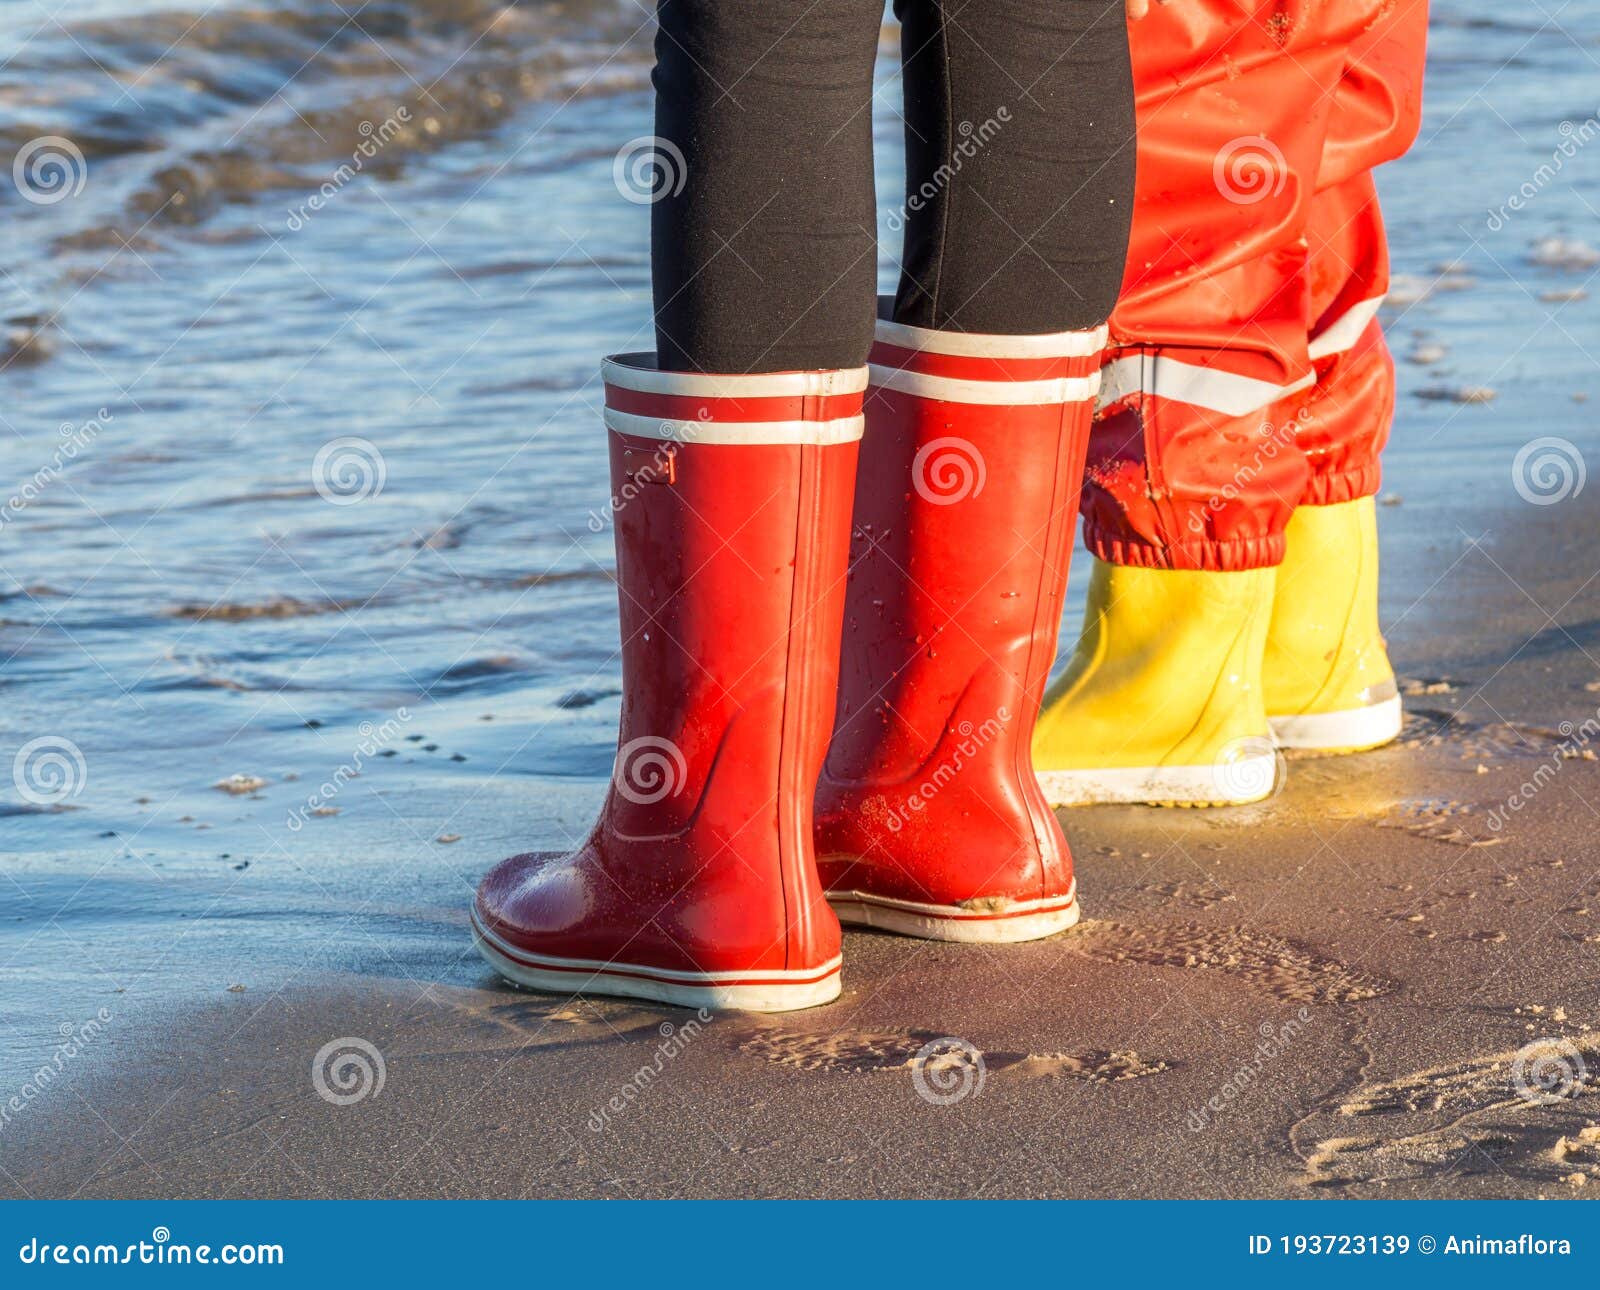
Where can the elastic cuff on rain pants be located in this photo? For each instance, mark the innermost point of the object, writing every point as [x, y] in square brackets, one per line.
[1231, 556]
[1348, 486]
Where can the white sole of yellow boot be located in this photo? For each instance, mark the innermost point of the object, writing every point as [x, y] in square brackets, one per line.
[976, 923]
[1251, 778]
[1353, 730]
[781, 991]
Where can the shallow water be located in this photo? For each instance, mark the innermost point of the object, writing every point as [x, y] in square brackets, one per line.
[203, 335]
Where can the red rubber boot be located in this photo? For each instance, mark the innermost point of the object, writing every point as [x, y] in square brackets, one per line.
[929, 819]
[698, 886]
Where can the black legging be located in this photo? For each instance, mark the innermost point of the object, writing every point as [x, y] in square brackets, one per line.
[1019, 161]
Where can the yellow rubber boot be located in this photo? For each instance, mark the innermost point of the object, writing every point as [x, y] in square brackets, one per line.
[1162, 701]
[1328, 683]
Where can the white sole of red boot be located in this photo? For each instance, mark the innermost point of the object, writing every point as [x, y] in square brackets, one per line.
[977, 923]
[1235, 783]
[775, 991]
[1353, 730]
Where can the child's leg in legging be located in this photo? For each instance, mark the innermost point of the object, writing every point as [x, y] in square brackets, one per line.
[1019, 163]
[765, 259]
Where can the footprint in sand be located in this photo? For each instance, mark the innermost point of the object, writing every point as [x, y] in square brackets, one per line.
[539, 1021]
[1437, 728]
[1440, 820]
[861, 1052]
[1283, 968]
[1511, 1113]
[1194, 895]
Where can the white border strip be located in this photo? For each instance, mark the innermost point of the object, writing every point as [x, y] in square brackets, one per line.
[1353, 728]
[1203, 387]
[1250, 779]
[1227, 392]
[844, 430]
[1342, 334]
[865, 911]
[1061, 344]
[1014, 909]
[951, 389]
[518, 954]
[639, 372]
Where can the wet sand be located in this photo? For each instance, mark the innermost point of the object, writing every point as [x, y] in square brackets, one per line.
[1325, 994]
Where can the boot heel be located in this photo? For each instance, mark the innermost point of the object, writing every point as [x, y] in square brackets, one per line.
[717, 991]
[1002, 922]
